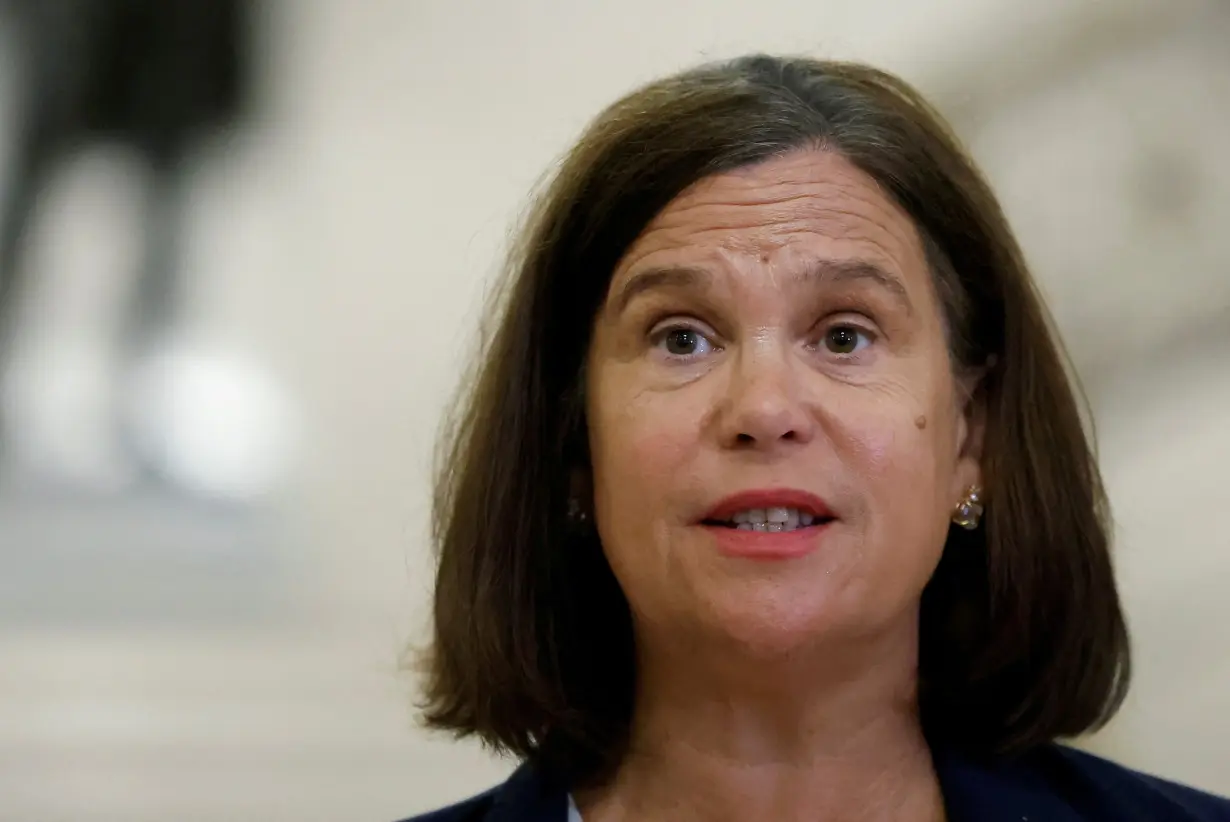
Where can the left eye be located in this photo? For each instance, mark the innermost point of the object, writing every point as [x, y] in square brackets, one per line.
[685, 342]
[845, 339]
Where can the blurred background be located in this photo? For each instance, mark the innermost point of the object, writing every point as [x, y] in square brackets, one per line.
[243, 247]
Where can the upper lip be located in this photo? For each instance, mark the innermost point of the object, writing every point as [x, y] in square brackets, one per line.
[803, 501]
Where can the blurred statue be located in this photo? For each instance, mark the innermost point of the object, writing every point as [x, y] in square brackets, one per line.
[152, 75]
[156, 78]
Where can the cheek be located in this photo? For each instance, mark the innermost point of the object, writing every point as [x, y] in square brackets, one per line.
[901, 448]
[894, 446]
[902, 428]
[641, 444]
[643, 448]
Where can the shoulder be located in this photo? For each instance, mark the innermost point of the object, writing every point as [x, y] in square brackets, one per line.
[1059, 784]
[1054, 783]
[527, 796]
[473, 809]
[1104, 789]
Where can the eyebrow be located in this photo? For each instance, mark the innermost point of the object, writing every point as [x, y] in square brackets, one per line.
[827, 270]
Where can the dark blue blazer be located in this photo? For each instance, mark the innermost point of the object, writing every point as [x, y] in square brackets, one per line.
[1055, 784]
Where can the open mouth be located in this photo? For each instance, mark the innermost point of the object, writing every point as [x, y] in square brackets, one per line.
[770, 520]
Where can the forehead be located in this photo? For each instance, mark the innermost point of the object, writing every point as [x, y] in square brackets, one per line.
[806, 203]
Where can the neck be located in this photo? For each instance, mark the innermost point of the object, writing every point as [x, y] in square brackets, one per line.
[831, 734]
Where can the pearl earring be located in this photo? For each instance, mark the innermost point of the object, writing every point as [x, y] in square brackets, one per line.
[576, 512]
[968, 512]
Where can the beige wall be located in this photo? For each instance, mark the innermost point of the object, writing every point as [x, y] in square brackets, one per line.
[348, 244]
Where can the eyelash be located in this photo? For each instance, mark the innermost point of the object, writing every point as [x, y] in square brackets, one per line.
[859, 328]
[659, 334]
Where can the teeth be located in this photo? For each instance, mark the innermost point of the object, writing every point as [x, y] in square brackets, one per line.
[777, 514]
[772, 520]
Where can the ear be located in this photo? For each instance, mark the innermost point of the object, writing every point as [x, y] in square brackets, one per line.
[971, 426]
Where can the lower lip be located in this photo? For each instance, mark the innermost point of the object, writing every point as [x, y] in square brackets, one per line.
[767, 545]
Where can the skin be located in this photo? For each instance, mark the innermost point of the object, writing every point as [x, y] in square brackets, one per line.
[776, 327]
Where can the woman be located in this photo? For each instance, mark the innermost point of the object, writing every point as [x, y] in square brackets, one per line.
[772, 499]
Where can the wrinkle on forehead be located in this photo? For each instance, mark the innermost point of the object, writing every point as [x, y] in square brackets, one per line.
[750, 214]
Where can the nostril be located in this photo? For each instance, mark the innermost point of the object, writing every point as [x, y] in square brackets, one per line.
[748, 439]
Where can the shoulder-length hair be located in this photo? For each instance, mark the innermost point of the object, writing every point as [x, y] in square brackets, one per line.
[1022, 637]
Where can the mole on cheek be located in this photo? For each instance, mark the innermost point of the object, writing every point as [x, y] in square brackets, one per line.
[920, 422]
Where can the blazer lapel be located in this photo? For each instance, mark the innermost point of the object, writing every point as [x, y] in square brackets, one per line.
[998, 793]
[528, 797]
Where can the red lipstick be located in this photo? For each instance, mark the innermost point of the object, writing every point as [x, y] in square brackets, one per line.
[799, 541]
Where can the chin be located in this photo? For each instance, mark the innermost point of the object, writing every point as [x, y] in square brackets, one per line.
[776, 623]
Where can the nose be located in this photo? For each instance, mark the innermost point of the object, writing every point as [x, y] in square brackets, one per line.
[764, 406]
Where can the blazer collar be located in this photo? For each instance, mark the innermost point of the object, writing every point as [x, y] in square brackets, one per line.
[528, 796]
[973, 792]
[1006, 792]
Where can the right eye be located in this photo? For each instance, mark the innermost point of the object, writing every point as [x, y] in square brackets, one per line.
[683, 342]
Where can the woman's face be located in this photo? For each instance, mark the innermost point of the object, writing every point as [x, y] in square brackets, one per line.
[777, 436]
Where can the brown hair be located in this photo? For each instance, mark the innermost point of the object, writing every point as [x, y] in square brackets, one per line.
[1022, 637]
